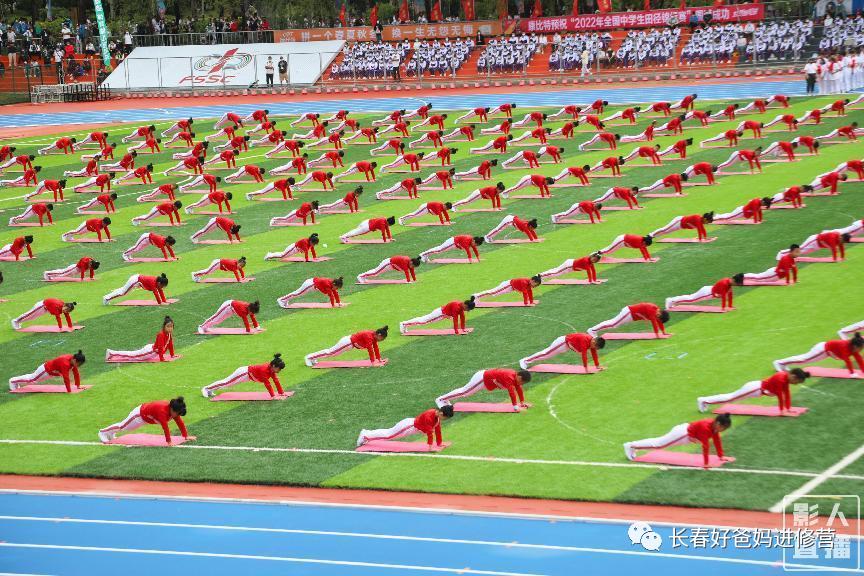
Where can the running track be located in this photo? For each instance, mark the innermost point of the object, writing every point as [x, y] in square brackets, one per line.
[45, 533]
[525, 97]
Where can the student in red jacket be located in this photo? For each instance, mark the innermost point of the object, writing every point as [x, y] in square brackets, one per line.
[525, 286]
[351, 200]
[59, 367]
[646, 311]
[162, 346]
[843, 350]
[160, 412]
[17, 247]
[495, 379]
[578, 342]
[81, 268]
[306, 210]
[527, 227]
[39, 209]
[454, 310]
[702, 431]
[428, 423]
[381, 225]
[786, 269]
[404, 264]
[304, 245]
[236, 266]
[92, 225]
[163, 243]
[154, 284]
[491, 193]
[586, 264]
[106, 200]
[690, 222]
[227, 225]
[262, 373]
[464, 242]
[828, 240]
[219, 198]
[365, 340]
[439, 209]
[327, 286]
[722, 289]
[776, 385]
[634, 241]
[587, 207]
[752, 209]
[283, 186]
[170, 209]
[246, 311]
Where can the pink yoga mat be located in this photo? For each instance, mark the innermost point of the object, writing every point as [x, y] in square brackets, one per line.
[437, 332]
[303, 260]
[12, 258]
[577, 185]
[395, 197]
[275, 199]
[697, 308]
[785, 207]
[397, 446]
[502, 407]
[284, 224]
[842, 373]
[469, 210]
[771, 283]
[529, 197]
[755, 410]
[49, 329]
[147, 259]
[680, 459]
[736, 222]
[350, 364]
[816, 194]
[315, 305]
[212, 213]
[487, 304]
[29, 225]
[231, 280]
[161, 224]
[425, 224]
[858, 240]
[95, 212]
[48, 389]
[88, 241]
[145, 302]
[453, 261]
[572, 282]
[211, 241]
[687, 240]
[154, 361]
[383, 281]
[334, 211]
[365, 241]
[818, 259]
[71, 279]
[572, 221]
[613, 260]
[219, 330]
[634, 336]
[516, 241]
[662, 195]
[564, 369]
[146, 440]
[262, 396]
[619, 208]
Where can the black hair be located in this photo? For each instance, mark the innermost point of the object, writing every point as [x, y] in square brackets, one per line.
[235, 229]
[178, 405]
[857, 340]
[738, 279]
[291, 180]
[532, 223]
[79, 357]
[50, 207]
[382, 331]
[178, 204]
[113, 195]
[28, 239]
[586, 167]
[418, 180]
[255, 307]
[599, 342]
[218, 179]
[106, 221]
[684, 176]
[313, 239]
[478, 240]
[71, 305]
[277, 361]
[708, 216]
[664, 316]
[767, 201]
[170, 240]
[621, 160]
[416, 261]
[500, 186]
[598, 206]
[339, 282]
[315, 204]
[525, 375]
[242, 259]
[794, 247]
[358, 190]
[846, 237]
[162, 280]
[229, 196]
[447, 411]
[448, 205]
[167, 320]
[329, 174]
[94, 264]
[537, 278]
[469, 304]
[724, 420]
[648, 240]
[391, 220]
[799, 373]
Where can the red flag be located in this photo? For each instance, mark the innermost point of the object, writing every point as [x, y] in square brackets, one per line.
[404, 15]
[468, 9]
[646, 5]
[537, 12]
[342, 16]
[604, 6]
[373, 16]
[683, 5]
[718, 3]
[435, 15]
[575, 11]
[503, 12]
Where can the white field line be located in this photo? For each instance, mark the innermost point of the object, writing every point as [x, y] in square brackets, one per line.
[819, 479]
[440, 456]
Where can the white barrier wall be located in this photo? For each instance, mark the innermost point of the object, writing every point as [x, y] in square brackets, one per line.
[218, 65]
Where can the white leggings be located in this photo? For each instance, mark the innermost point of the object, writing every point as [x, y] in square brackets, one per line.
[815, 354]
[675, 437]
[474, 385]
[132, 422]
[749, 390]
[402, 428]
[623, 317]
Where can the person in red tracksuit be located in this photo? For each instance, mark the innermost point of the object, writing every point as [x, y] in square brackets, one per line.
[219, 198]
[438, 209]
[7, 152]
[464, 242]
[443, 176]
[408, 185]
[606, 137]
[634, 241]
[700, 169]
[524, 286]
[163, 243]
[830, 240]
[650, 152]
[752, 125]
[752, 209]
[327, 286]
[722, 289]
[829, 180]
[843, 350]
[255, 172]
[578, 342]
[53, 306]
[39, 209]
[163, 345]
[17, 247]
[97, 225]
[691, 222]
[495, 379]
[24, 160]
[731, 137]
[776, 385]
[454, 310]
[364, 167]
[61, 366]
[704, 116]
[588, 207]
[106, 200]
[143, 172]
[154, 284]
[196, 165]
[304, 245]
[64, 144]
[786, 269]
[29, 177]
[324, 178]
[628, 195]
[170, 209]
[673, 181]
[246, 311]
[613, 163]
[586, 264]
[428, 423]
[365, 340]
[372, 225]
[539, 181]
[527, 227]
[498, 145]
[84, 266]
[404, 264]
[262, 373]
[160, 412]
[236, 267]
[702, 432]
[643, 311]
[306, 210]
[792, 195]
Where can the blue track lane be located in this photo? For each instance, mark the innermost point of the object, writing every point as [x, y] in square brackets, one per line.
[95, 536]
[287, 105]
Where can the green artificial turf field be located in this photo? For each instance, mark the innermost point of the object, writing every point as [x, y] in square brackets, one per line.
[567, 446]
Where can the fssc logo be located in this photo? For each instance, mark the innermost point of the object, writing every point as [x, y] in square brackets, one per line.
[214, 68]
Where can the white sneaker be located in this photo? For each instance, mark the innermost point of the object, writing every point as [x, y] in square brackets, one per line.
[105, 437]
[402, 329]
[668, 303]
[700, 403]
[486, 239]
[201, 330]
[13, 386]
[127, 258]
[16, 325]
[523, 364]
[629, 451]
[309, 362]
[207, 393]
[401, 222]
[361, 440]
[105, 301]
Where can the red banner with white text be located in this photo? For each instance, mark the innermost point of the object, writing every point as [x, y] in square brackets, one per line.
[642, 19]
[392, 33]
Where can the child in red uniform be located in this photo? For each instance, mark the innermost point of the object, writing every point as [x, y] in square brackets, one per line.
[150, 413]
[721, 289]
[283, 186]
[491, 193]
[633, 313]
[691, 222]
[60, 366]
[527, 227]
[438, 209]
[428, 423]
[154, 284]
[443, 176]
[752, 209]
[57, 308]
[634, 241]
[539, 181]
[525, 286]
[786, 269]
[404, 264]
[304, 245]
[246, 311]
[701, 431]
[170, 209]
[843, 350]
[39, 209]
[328, 286]
[306, 210]
[225, 224]
[495, 379]
[776, 385]
[580, 172]
[586, 264]
[463, 242]
[163, 345]
[164, 243]
[587, 207]
[628, 195]
[673, 181]
[17, 247]
[248, 171]
[217, 198]
[106, 200]
[366, 340]
[323, 178]
[262, 373]
[351, 200]
[97, 225]
[83, 267]
[454, 310]
[381, 225]
[577, 342]
[236, 267]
